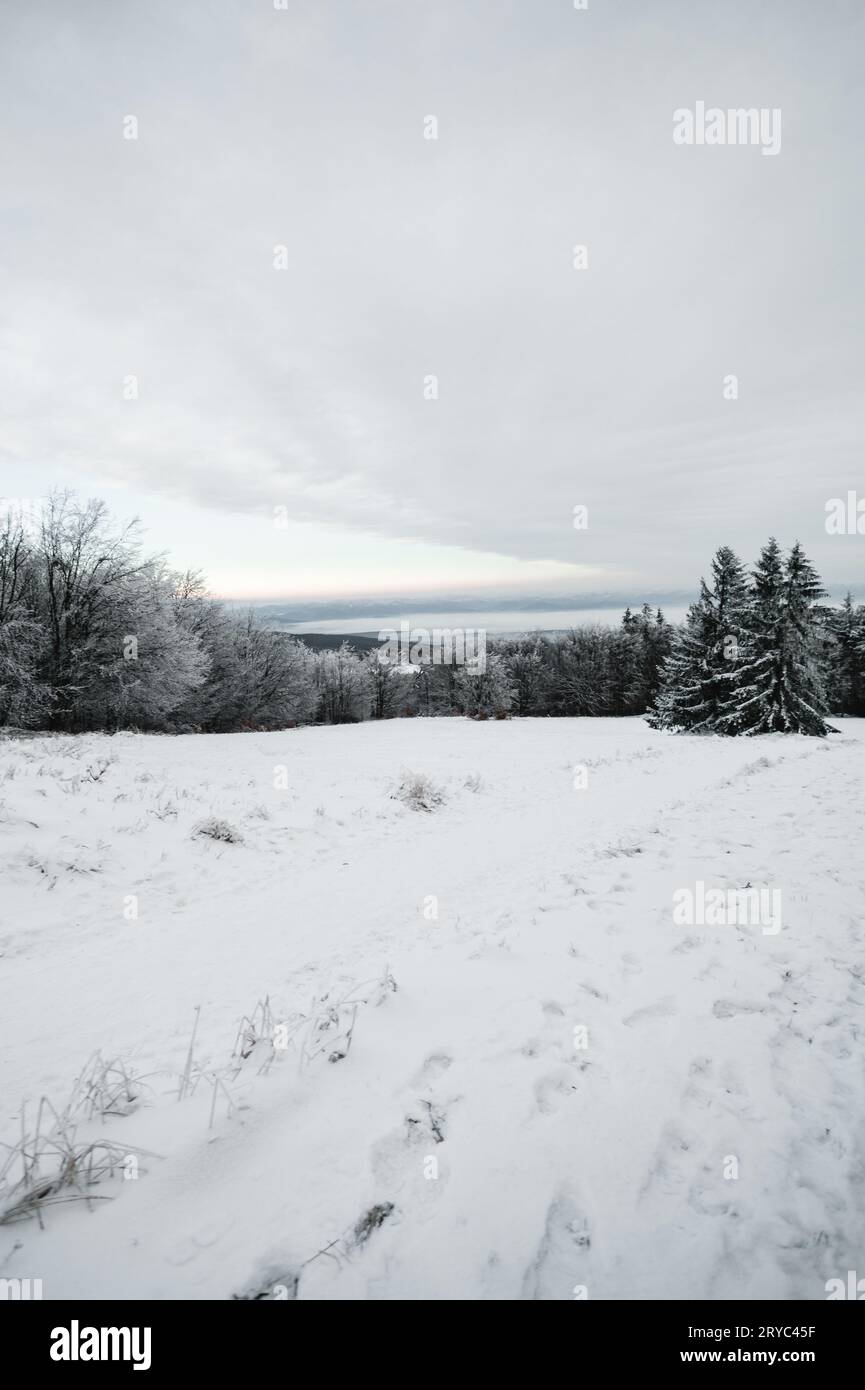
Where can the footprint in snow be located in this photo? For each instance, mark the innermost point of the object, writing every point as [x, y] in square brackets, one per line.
[663, 1008]
[411, 1157]
[676, 1161]
[730, 1008]
[631, 964]
[434, 1066]
[553, 1089]
[688, 943]
[561, 1269]
[697, 1094]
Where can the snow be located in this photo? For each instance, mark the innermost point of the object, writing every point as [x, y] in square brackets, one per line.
[499, 1157]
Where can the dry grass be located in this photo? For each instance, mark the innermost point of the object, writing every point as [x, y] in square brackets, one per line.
[50, 1164]
[211, 828]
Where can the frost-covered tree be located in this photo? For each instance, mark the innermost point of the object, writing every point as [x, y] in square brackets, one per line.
[386, 683]
[489, 691]
[141, 665]
[701, 674]
[342, 686]
[622, 665]
[256, 678]
[681, 701]
[525, 658]
[576, 682]
[260, 679]
[845, 679]
[780, 687]
[651, 638]
[24, 697]
[435, 688]
[112, 652]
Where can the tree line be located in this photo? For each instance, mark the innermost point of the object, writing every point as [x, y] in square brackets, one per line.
[96, 635]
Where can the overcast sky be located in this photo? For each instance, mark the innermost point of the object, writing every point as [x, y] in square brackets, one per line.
[303, 388]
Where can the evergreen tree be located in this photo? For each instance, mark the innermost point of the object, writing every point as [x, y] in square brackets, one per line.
[702, 672]
[780, 688]
[680, 702]
[653, 647]
[846, 658]
[622, 668]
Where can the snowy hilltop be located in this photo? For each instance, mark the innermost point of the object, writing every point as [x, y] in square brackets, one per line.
[416, 1009]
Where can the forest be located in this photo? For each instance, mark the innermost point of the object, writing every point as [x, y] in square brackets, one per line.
[97, 635]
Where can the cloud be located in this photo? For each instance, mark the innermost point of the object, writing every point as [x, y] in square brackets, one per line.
[408, 258]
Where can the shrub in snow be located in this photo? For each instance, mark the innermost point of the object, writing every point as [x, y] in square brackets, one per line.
[214, 829]
[419, 792]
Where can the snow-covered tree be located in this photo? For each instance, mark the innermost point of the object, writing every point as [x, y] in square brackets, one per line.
[651, 638]
[526, 658]
[386, 683]
[780, 687]
[681, 702]
[138, 665]
[489, 691]
[845, 679]
[701, 674]
[342, 686]
[112, 652]
[24, 697]
[260, 679]
[577, 675]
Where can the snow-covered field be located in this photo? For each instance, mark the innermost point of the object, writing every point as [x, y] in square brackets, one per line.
[470, 1141]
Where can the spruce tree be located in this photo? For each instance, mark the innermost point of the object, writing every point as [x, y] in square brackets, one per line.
[846, 658]
[651, 651]
[680, 703]
[622, 667]
[780, 688]
[702, 671]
